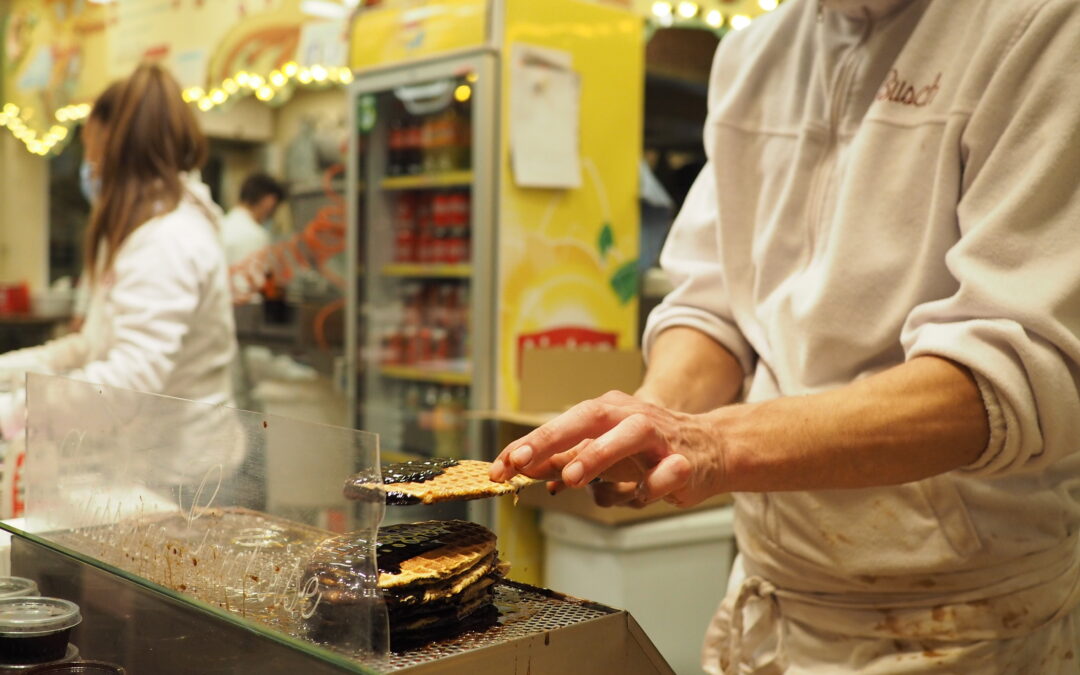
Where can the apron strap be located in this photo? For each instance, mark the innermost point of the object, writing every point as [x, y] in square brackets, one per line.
[752, 589]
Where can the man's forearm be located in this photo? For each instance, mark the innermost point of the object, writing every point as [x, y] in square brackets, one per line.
[690, 372]
[913, 421]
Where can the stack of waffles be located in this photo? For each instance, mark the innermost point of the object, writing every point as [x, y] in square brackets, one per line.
[437, 579]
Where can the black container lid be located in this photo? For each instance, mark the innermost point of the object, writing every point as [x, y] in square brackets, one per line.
[29, 617]
[17, 587]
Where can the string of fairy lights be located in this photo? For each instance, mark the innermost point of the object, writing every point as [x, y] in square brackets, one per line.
[667, 13]
[266, 88]
[273, 86]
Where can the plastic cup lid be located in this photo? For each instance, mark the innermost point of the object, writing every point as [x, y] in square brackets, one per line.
[24, 617]
[17, 587]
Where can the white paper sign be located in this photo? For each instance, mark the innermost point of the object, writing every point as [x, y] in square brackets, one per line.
[545, 108]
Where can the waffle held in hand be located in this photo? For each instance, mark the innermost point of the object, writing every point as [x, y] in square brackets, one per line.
[429, 481]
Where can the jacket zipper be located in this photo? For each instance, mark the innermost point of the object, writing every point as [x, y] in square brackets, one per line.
[820, 181]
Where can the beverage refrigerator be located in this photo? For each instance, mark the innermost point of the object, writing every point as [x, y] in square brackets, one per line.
[457, 263]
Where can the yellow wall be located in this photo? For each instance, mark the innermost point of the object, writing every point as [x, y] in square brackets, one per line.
[564, 254]
[24, 208]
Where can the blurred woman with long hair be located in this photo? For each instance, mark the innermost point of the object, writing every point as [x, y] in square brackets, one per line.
[160, 317]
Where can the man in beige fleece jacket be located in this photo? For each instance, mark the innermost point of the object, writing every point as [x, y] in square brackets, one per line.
[886, 248]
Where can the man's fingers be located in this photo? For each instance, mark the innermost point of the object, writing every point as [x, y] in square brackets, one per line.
[531, 453]
[613, 494]
[632, 436]
[670, 475]
[554, 487]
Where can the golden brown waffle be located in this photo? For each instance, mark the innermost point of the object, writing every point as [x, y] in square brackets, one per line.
[460, 545]
[418, 594]
[467, 479]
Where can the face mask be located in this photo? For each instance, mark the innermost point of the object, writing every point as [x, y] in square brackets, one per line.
[88, 182]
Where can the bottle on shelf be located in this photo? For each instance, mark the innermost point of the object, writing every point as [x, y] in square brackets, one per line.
[448, 424]
[411, 401]
[405, 228]
[461, 143]
[428, 140]
[414, 145]
[395, 142]
[425, 238]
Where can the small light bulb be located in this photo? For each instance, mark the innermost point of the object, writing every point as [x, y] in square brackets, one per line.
[230, 86]
[768, 5]
[318, 73]
[205, 104]
[345, 76]
[662, 9]
[463, 93]
[264, 93]
[688, 10]
[304, 75]
[278, 79]
[714, 18]
[740, 21]
[290, 69]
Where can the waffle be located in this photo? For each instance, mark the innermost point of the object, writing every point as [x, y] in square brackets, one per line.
[427, 594]
[460, 545]
[448, 481]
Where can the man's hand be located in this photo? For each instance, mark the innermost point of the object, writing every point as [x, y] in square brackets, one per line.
[643, 452]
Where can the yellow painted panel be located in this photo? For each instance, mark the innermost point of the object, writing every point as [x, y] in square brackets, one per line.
[407, 30]
[567, 258]
[520, 540]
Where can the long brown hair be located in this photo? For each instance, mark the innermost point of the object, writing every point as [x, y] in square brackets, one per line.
[150, 137]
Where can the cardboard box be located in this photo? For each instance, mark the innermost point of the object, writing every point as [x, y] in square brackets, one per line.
[553, 380]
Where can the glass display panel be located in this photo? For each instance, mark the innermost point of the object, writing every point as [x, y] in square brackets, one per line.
[218, 507]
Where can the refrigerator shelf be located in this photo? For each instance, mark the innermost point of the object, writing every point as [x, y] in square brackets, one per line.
[440, 373]
[427, 271]
[430, 180]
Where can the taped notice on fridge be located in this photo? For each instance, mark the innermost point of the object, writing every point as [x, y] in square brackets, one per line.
[545, 109]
